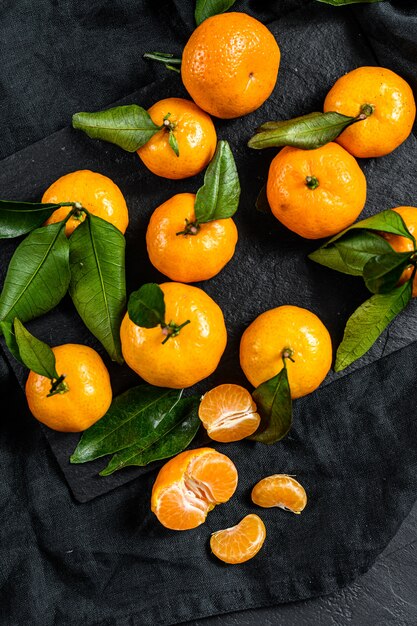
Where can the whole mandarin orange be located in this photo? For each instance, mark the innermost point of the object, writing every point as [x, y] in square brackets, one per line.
[183, 250]
[316, 193]
[403, 244]
[95, 192]
[86, 390]
[195, 135]
[230, 64]
[292, 331]
[188, 357]
[388, 103]
[190, 485]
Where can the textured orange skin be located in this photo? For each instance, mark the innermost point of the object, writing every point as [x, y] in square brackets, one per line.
[230, 64]
[95, 192]
[203, 464]
[393, 116]
[89, 394]
[195, 135]
[241, 542]
[285, 327]
[403, 244]
[332, 206]
[188, 258]
[280, 490]
[186, 359]
[224, 402]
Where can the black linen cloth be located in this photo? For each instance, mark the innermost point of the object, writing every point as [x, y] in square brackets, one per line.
[108, 560]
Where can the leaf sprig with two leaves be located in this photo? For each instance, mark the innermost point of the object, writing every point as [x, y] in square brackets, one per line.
[46, 264]
[361, 250]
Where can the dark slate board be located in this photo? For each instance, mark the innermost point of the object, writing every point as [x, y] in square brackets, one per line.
[270, 267]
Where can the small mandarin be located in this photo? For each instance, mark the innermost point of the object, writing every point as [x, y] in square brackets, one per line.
[95, 192]
[403, 244]
[86, 393]
[239, 543]
[386, 99]
[230, 64]
[190, 485]
[316, 193]
[280, 490]
[194, 133]
[294, 331]
[181, 253]
[186, 358]
[228, 413]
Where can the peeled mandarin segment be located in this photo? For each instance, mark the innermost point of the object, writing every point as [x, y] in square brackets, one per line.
[190, 485]
[228, 413]
[241, 542]
[280, 490]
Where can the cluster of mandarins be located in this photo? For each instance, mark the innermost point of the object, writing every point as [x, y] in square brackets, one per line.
[315, 193]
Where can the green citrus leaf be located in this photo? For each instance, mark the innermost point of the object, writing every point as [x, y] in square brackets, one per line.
[351, 253]
[218, 198]
[129, 127]
[172, 140]
[388, 221]
[19, 218]
[34, 353]
[175, 431]
[133, 417]
[98, 284]
[368, 322]
[307, 131]
[146, 306]
[207, 8]
[274, 404]
[382, 273]
[340, 3]
[38, 274]
[6, 328]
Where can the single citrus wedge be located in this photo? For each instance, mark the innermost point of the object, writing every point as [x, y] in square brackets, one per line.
[190, 485]
[280, 490]
[228, 413]
[241, 542]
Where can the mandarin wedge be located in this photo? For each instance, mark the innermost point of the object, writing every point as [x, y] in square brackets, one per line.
[190, 485]
[228, 413]
[280, 490]
[241, 542]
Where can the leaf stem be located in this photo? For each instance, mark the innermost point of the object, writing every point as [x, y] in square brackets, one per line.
[191, 228]
[172, 330]
[312, 182]
[58, 385]
[287, 353]
[167, 59]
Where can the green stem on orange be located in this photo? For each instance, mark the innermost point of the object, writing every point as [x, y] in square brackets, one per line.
[312, 182]
[191, 228]
[58, 385]
[172, 329]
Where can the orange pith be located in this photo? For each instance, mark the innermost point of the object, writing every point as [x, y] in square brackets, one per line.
[190, 356]
[326, 209]
[280, 490]
[393, 110]
[241, 542]
[188, 258]
[230, 64]
[287, 328]
[89, 395]
[195, 134]
[403, 244]
[228, 413]
[190, 485]
[95, 192]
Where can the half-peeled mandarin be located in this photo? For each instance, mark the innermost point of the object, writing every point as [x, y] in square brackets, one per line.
[190, 485]
[228, 413]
